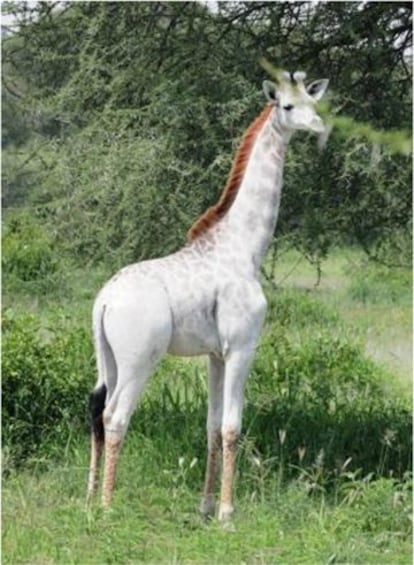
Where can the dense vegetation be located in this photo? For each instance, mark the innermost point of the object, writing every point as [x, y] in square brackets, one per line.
[119, 139]
[120, 120]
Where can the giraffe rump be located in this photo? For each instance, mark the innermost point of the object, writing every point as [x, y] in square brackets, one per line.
[215, 213]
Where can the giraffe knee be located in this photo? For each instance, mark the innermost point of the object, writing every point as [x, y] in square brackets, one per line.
[214, 439]
[115, 426]
[230, 437]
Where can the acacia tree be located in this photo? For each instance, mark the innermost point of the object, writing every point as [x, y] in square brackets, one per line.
[131, 113]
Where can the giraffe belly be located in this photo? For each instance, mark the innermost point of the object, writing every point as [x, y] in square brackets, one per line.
[194, 335]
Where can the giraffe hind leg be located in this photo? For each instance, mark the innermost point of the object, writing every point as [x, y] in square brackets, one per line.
[116, 417]
[138, 329]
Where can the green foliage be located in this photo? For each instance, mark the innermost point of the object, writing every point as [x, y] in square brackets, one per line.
[318, 400]
[295, 309]
[111, 206]
[395, 141]
[44, 387]
[29, 255]
[327, 402]
[120, 145]
[375, 499]
[382, 285]
[367, 192]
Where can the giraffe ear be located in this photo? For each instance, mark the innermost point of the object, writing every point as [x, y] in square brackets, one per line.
[270, 91]
[317, 88]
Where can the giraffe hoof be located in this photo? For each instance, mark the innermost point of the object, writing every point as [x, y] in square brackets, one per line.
[106, 504]
[207, 507]
[225, 513]
[228, 526]
[107, 511]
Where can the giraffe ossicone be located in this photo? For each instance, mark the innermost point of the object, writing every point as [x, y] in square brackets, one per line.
[205, 299]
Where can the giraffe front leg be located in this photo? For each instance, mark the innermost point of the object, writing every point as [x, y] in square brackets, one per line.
[236, 372]
[240, 313]
[214, 417]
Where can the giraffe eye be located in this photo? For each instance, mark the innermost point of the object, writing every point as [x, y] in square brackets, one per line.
[288, 107]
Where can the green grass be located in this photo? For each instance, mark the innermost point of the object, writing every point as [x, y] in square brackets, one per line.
[154, 519]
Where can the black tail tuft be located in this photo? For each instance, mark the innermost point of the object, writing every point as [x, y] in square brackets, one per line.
[96, 408]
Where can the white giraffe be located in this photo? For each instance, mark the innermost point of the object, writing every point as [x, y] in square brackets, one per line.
[206, 299]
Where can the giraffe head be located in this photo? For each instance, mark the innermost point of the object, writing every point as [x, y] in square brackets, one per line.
[295, 102]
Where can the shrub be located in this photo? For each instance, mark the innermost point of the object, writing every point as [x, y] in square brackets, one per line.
[322, 401]
[46, 376]
[29, 258]
[379, 284]
[299, 309]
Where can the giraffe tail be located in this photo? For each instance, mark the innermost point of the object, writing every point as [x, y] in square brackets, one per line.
[96, 407]
[106, 373]
[98, 397]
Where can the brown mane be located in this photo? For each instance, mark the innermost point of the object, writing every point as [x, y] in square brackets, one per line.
[212, 215]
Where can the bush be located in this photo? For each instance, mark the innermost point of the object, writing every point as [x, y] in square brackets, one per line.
[375, 284]
[296, 308]
[29, 259]
[46, 377]
[319, 402]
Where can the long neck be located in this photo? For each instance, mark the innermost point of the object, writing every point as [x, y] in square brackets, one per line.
[251, 220]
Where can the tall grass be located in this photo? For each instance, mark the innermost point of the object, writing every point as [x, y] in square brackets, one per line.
[154, 517]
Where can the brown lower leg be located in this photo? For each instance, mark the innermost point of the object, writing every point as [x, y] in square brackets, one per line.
[207, 505]
[229, 458]
[112, 450]
[96, 452]
[213, 451]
